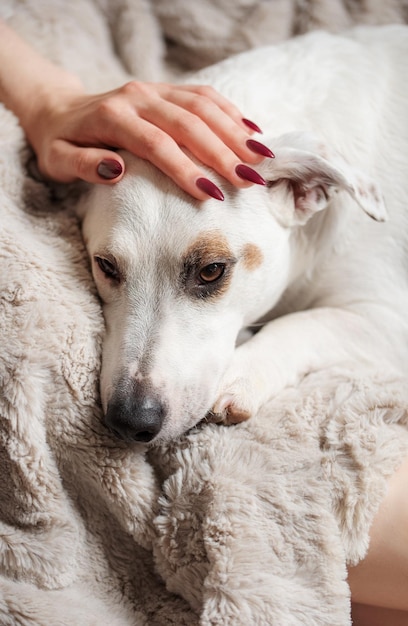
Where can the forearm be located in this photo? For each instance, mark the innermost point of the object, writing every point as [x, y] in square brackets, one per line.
[28, 81]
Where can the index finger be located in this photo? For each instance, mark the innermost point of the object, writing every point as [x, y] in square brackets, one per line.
[155, 145]
[222, 102]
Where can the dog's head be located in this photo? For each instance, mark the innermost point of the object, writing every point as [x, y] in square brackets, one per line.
[179, 279]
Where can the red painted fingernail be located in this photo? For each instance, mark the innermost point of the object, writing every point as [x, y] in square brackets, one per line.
[209, 188]
[109, 169]
[259, 148]
[247, 173]
[251, 125]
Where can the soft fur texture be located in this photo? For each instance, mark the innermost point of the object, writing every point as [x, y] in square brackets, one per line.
[252, 524]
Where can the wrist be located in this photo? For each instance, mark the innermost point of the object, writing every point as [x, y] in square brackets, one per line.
[51, 101]
[45, 99]
[30, 83]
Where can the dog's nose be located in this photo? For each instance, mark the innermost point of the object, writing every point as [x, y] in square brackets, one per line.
[136, 416]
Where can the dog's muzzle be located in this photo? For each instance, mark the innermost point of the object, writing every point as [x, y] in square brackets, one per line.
[136, 413]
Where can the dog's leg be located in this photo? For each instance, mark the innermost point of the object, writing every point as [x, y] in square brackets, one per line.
[289, 348]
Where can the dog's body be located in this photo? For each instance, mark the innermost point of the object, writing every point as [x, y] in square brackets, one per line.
[180, 279]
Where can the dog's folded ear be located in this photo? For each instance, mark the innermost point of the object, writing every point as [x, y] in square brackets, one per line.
[306, 175]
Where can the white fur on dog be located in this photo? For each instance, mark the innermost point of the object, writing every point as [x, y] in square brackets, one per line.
[246, 525]
[326, 238]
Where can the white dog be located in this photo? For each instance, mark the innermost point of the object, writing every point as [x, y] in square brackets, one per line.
[316, 254]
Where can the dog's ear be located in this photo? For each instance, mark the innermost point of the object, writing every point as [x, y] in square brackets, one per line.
[306, 174]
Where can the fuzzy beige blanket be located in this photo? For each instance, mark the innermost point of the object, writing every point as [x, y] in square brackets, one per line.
[247, 525]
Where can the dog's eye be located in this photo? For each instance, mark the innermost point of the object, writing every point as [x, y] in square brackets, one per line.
[211, 273]
[108, 268]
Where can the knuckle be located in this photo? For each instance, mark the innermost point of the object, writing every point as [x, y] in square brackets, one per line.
[135, 88]
[52, 164]
[81, 163]
[51, 154]
[155, 141]
[188, 125]
[41, 166]
[48, 160]
[206, 91]
[199, 106]
[107, 108]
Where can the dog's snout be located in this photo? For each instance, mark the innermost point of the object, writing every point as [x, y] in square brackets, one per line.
[136, 415]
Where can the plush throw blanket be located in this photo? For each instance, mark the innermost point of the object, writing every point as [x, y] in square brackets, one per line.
[253, 524]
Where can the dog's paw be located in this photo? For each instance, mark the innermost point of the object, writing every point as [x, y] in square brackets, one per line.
[238, 400]
[228, 411]
[248, 383]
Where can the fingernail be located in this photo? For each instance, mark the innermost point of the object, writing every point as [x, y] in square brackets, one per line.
[209, 188]
[259, 148]
[251, 125]
[109, 168]
[247, 173]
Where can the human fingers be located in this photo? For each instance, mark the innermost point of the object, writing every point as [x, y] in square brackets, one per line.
[152, 102]
[66, 162]
[191, 131]
[229, 108]
[136, 117]
[88, 127]
[221, 116]
[156, 146]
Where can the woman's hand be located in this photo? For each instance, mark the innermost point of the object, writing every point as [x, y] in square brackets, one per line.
[74, 135]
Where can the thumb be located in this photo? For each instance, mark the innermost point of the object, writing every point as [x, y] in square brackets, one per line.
[93, 165]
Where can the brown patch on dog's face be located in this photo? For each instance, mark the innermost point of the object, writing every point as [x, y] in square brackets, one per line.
[209, 245]
[207, 265]
[252, 256]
